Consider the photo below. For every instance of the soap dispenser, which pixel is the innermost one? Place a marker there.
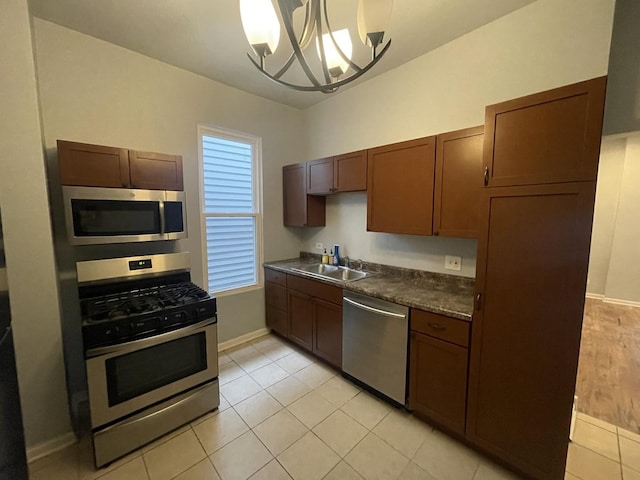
(325, 257)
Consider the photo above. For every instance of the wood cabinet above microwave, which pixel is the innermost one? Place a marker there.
(342, 173)
(101, 166)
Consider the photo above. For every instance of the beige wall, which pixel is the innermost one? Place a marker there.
(623, 278)
(610, 169)
(27, 234)
(546, 44)
(96, 92)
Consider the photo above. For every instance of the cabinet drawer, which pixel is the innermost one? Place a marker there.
(275, 276)
(315, 288)
(439, 326)
(275, 295)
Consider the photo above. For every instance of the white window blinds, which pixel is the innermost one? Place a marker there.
(230, 209)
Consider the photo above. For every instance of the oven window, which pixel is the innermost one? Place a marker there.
(115, 217)
(142, 371)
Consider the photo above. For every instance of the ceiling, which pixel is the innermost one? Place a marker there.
(206, 36)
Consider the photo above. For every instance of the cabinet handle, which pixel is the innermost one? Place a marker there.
(435, 233)
(486, 176)
(478, 301)
(436, 326)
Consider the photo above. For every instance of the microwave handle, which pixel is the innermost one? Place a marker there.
(163, 227)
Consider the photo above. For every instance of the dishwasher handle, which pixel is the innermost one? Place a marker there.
(373, 309)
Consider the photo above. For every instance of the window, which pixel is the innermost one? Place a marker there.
(230, 169)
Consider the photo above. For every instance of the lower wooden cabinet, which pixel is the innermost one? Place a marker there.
(327, 342)
(307, 312)
(438, 360)
(301, 313)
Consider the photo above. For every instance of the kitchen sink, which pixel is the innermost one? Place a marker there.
(333, 272)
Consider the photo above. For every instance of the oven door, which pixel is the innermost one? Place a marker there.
(130, 376)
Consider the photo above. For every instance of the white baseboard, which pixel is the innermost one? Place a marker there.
(618, 301)
(247, 337)
(595, 296)
(50, 446)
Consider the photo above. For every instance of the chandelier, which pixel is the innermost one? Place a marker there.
(328, 64)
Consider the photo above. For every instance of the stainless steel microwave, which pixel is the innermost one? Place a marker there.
(97, 215)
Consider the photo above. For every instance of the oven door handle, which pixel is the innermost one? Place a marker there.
(150, 341)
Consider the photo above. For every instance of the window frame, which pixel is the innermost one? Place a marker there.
(257, 214)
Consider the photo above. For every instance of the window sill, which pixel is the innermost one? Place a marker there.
(236, 291)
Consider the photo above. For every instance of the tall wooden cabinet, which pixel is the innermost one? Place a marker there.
(400, 187)
(300, 209)
(533, 253)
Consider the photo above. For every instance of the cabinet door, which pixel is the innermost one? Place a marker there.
(277, 320)
(301, 311)
(320, 176)
(300, 209)
(548, 137)
(155, 171)
(400, 187)
(93, 165)
(438, 380)
(458, 183)
(350, 172)
(327, 339)
(533, 255)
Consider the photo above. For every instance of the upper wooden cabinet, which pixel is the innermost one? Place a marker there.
(100, 166)
(300, 209)
(342, 173)
(400, 181)
(155, 171)
(93, 165)
(458, 183)
(548, 137)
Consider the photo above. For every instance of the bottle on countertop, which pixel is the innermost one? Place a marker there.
(331, 258)
(336, 254)
(325, 257)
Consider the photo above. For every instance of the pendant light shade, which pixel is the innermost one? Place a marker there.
(261, 25)
(336, 64)
(373, 20)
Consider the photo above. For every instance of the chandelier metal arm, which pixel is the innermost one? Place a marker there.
(305, 37)
(322, 88)
(320, 39)
(287, 19)
(353, 65)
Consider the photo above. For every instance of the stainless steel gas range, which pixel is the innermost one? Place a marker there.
(150, 345)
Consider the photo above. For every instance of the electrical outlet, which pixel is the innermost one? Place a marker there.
(453, 263)
(319, 245)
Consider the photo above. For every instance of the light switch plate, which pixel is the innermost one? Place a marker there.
(319, 245)
(452, 263)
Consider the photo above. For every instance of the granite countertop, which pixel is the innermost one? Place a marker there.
(433, 292)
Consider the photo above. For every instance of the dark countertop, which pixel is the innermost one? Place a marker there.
(433, 292)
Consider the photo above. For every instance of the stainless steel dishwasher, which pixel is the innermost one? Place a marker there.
(374, 344)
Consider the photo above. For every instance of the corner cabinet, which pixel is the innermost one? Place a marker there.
(458, 183)
(533, 256)
(299, 208)
(342, 173)
(400, 181)
(275, 293)
(438, 358)
(102, 166)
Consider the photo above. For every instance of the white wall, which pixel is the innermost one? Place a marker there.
(615, 256)
(96, 92)
(27, 235)
(623, 279)
(610, 169)
(546, 44)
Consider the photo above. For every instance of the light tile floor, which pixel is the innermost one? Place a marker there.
(284, 415)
